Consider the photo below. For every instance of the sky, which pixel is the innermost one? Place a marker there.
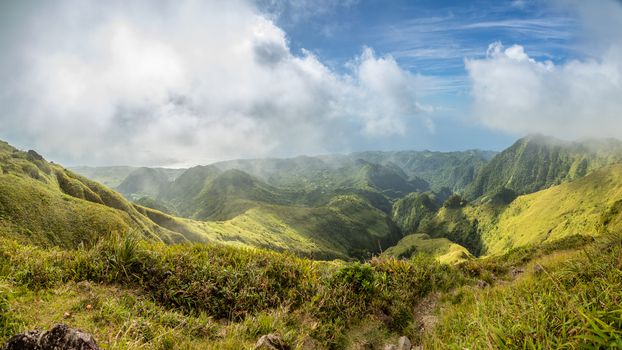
(186, 82)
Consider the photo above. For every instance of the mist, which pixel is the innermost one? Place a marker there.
(186, 82)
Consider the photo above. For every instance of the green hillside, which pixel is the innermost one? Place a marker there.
(111, 176)
(590, 205)
(444, 250)
(44, 203)
(452, 170)
(414, 210)
(147, 182)
(347, 227)
(68, 244)
(537, 162)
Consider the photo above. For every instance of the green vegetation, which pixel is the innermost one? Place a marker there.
(534, 262)
(43, 203)
(452, 170)
(130, 294)
(422, 169)
(147, 182)
(537, 162)
(588, 206)
(569, 299)
(444, 250)
(414, 210)
(111, 176)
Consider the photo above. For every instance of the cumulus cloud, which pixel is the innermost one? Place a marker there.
(579, 98)
(185, 82)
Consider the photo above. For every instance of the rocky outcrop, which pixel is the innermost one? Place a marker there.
(402, 344)
(59, 337)
(271, 342)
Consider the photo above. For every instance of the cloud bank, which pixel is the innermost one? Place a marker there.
(185, 82)
(580, 98)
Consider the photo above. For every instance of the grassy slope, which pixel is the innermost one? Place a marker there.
(444, 250)
(414, 210)
(111, 176)
(453, 170)
(148, 295)
(212, 297)
(565, 299)
(347, 227)
(147, 182)
(590, 205)
(537, 162)
(44, 203)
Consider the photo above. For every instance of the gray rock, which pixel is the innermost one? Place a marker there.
(404, 343)
(59, 337)
(482, 284)
(390, 347)
(515, 271)
(271, 342)
(537, 269)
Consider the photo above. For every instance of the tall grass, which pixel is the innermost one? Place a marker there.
(233, 284)
(569, 301)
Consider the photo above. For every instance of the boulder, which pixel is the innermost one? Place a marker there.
(404, 343)
(59, 337)
(482, 284)
(271, 342)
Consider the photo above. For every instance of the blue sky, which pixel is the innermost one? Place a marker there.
(178, 83)
(433, 38)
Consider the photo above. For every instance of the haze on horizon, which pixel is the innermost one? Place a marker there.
(177, 83)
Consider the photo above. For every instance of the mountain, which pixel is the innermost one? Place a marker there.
(442, 249)
(536, 162)
(240, 207)
(94, 253)
(147, 182)
(452, 170)
(361, 203)
(111, 176)
(227, 195)
(413, 210)
(590, 205)
(44, 203)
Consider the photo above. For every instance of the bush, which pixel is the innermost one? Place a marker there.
(234, 284)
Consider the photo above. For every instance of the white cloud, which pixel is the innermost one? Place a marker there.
(188, 82)
(576, 99)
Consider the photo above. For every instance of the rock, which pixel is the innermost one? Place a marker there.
(271, 342)
(404, 343)
(34, 155)
(537, 268)
(67, 314)
(515, 271)
(24, 341)
(59, 337)
(482, 284)
(390, 347)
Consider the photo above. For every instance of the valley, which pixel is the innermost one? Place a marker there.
(234, 250)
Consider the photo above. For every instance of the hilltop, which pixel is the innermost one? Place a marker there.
(216, 256)
(537, 162)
